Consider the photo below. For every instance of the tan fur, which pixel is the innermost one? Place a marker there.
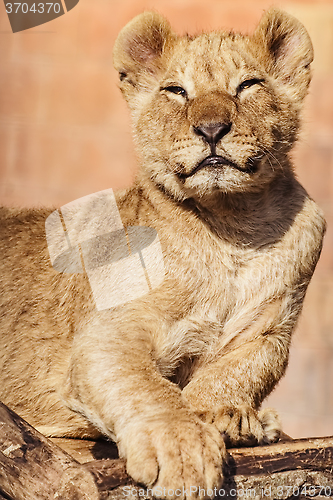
(167, 375)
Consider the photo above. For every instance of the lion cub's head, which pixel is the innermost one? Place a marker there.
(218, 111)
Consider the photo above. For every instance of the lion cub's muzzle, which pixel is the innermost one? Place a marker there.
(212, 117)
(213, 133)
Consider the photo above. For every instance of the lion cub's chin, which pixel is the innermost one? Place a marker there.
(209, 182)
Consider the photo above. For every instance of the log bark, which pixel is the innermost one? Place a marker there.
(33, 467)
(310, 454)
(293, 469)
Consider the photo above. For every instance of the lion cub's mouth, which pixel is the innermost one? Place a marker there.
(216, 161)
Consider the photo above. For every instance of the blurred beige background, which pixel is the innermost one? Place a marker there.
(65, 132)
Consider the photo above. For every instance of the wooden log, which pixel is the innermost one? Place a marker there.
(86, 451)
(309, 454)
(33, 468)
(301, 468)
(284, 470)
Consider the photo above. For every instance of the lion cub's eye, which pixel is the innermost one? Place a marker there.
(174, 89)
(249, 83)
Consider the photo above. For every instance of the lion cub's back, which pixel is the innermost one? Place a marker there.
(23, 254)
(34, 298)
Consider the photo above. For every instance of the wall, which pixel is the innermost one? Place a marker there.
(65, 132)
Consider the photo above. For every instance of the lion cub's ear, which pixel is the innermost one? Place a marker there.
(285, 48)
(141, 50)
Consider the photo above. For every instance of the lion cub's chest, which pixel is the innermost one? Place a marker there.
(216, 283)
(214, 272)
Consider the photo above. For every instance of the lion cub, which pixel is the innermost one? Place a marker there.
(176, 374)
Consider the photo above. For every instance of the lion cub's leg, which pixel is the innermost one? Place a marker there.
(229, 391)
(115, 383)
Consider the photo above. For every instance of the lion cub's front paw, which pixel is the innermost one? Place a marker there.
(243, 426)
(175, 457)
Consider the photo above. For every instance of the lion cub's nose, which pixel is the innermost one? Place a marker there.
(213, 132)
